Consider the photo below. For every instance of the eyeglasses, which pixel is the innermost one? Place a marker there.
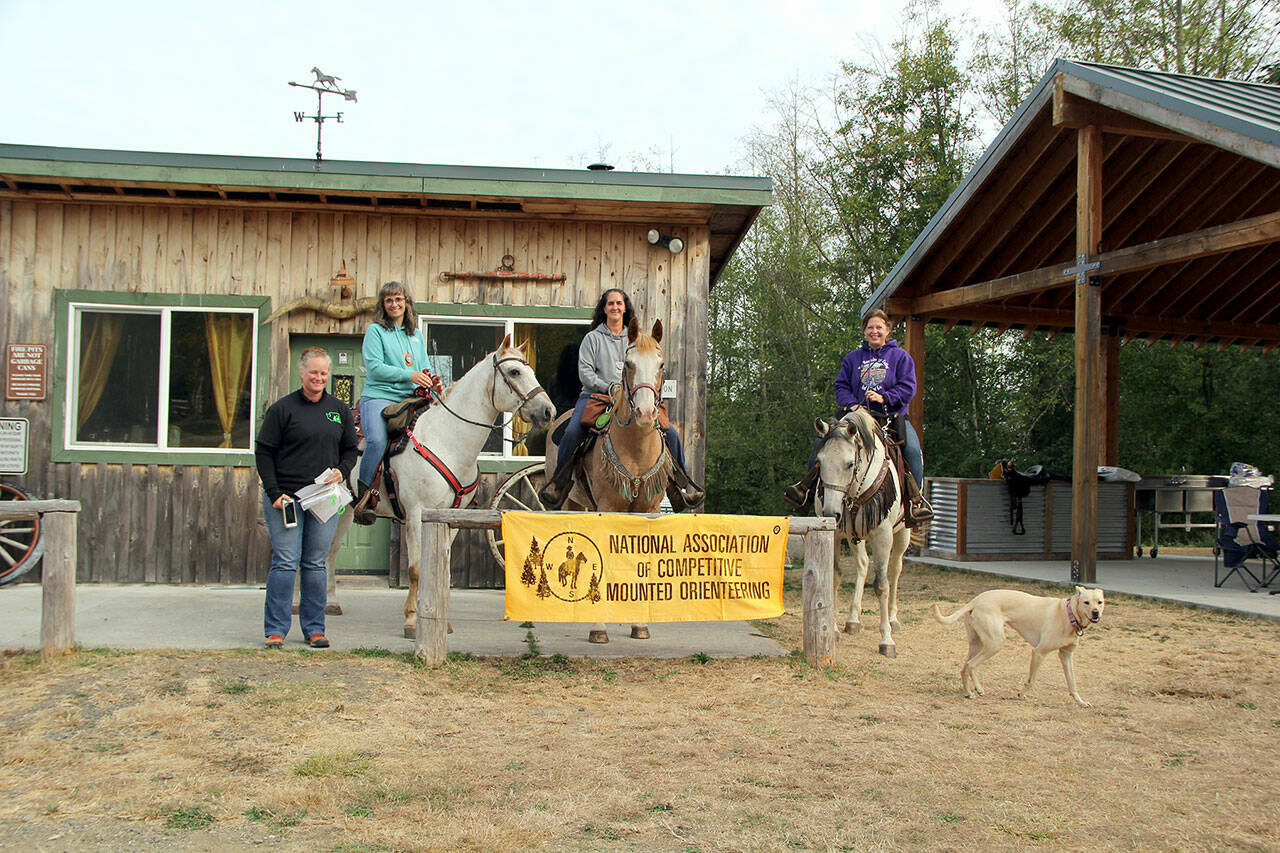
(393, 299)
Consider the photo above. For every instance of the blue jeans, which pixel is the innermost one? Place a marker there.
(375, 435)
(912, 454)
(574, 431)
(295, 549)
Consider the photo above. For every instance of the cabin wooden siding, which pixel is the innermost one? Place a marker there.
(153, 521)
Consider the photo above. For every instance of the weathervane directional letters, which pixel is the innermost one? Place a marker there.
(325, 84)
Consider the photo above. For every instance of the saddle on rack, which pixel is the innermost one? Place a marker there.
(1019, 484)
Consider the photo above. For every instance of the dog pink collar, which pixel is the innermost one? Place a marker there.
(1071, 617)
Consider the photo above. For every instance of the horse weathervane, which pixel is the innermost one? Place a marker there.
(325, 84)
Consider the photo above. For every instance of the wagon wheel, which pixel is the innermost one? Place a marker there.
(518, 493)
(20, 545)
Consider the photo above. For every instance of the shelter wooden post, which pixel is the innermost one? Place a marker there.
(913, 343)
(432, 628)
(818, 594)
(1088, 325)
(58, 582)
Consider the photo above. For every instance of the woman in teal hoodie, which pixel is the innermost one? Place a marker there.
(395, 364)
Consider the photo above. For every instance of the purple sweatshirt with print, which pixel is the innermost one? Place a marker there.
(888, 370)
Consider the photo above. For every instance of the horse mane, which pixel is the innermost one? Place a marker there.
(865, 427)
(877, 506)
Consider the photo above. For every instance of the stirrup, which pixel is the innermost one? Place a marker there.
(920, 512)
(797, 496)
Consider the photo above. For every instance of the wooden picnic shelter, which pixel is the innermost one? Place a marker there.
(1117, 204)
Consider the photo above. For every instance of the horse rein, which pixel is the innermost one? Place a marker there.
(493, 391)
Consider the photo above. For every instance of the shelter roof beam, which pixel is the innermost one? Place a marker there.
(1070, 110)
(1184, 247)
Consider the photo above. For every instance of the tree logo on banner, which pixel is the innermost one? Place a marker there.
(569, 567)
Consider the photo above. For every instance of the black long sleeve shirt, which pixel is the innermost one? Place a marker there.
(299, 439)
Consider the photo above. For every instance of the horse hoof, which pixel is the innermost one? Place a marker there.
(333, 608)
(598, 637)
(852, 627)
(639, 632)
(889, 650)
(410, 632)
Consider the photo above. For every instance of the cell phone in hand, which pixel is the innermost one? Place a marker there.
(290, 510)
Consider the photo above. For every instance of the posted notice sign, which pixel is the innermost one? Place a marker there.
(24, 371)
(13, 445)
(623, 568)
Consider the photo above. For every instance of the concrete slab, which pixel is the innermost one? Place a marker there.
(129, 616)
(1181, 578)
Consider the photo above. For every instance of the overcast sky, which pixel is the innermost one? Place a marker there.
(553, 84)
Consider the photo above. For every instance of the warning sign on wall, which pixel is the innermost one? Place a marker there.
(13, 445)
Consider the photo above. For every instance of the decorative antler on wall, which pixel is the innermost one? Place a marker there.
(336, 310)
(345, 286)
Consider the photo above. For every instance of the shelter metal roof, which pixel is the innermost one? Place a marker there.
(1190, 245)
(727, 204)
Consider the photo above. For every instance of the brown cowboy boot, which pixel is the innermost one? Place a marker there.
(690, 492)
(362, 512)
(919, 510)
(800, 494)
(554, 493)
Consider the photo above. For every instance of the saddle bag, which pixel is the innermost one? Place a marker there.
(599, 411)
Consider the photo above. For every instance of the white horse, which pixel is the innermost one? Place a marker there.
(862, 491)
(453, 430)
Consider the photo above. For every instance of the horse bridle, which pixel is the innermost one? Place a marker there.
(493, 395)
(630, 390)
(850, 503)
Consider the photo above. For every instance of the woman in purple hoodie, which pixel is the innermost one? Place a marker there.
(881, 377)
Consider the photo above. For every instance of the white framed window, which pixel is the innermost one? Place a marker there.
(175, 379)
(455, 344)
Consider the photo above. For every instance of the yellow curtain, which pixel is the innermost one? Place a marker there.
(99, 339)
(519, 426)
(230, 338)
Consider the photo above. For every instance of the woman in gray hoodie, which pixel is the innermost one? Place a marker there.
(601, 358)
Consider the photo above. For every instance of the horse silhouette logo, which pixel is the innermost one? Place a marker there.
(555, 568)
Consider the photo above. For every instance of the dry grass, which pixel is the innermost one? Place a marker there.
(302, 750)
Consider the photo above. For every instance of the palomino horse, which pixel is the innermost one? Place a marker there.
(861, 490)
(453, 431)
(630, 466)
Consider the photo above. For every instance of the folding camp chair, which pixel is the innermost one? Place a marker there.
(1241, 540)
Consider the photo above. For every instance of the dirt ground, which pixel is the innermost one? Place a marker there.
(302, 750)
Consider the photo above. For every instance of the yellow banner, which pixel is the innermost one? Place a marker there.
(623, 568)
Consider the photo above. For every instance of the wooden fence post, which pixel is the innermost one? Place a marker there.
(432, 634)
(58, 582)
(817, 591)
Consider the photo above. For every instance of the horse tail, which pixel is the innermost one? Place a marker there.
(954, 617)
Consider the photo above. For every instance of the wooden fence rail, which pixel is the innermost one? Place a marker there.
(58, 575)
(817, 581)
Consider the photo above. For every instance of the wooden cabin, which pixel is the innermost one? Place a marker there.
(159, 298)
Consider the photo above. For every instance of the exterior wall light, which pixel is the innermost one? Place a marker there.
(657, 238)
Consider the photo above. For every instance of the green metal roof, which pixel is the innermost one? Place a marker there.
(70, 164)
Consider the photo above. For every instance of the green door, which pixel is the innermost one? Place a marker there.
(366, 550)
